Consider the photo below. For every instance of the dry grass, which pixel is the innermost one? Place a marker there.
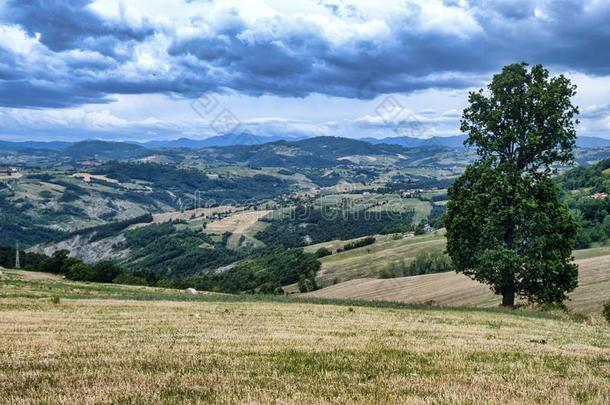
(238, 224)
(370, 260)
(29, 275)
(88, 177)
(457, 289)
(126, 351)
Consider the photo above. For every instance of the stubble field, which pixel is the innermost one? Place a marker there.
(107, 344)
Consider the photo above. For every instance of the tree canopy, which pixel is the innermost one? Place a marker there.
(505, 224)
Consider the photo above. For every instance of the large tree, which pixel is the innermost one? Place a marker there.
(505, 224)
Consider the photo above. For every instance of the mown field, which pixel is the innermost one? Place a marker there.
(354, 274)
(119, 344)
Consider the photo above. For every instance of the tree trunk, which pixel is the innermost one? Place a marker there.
(508, 298)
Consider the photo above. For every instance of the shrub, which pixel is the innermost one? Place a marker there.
(369, 240)
(394, 269)
(268, 288)
(306, 285)
(129, 279)
(428, 263)
(79, 271)
(55, 300)
(322, 252)
(105, 272)
(606, 311)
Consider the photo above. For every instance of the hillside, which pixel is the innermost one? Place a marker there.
(312, 153)
(456, 289)
(104, 150)
(106, 343)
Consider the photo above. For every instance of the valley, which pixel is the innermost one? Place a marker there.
(211, 217)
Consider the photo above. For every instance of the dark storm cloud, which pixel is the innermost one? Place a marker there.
(70, 24)
(24, 94)
(295, 56)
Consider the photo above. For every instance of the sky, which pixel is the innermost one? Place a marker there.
(164, 69)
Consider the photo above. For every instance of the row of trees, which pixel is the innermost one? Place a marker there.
(71, 267)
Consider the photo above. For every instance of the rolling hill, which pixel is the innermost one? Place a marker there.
(456, 289)
(104, 150)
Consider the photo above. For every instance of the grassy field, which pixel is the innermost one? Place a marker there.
(371, 260)
(118, 344)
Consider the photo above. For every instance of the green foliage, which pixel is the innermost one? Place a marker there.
(17, 224)
(429, 263)
(79, 271)
(606, 311)
(28, 260)
(46, 194)
(306, 224)
(323, 252)
(527, 120)
(105, 272)
(307, 284)
(579, 185)
(185, 182)
(369, 240)
(110, 229)
(436, 216)
(505, 224)
(129, 279)
(61, 263)
(424, 263)
(420, 229)
(265, 273)
(164, 251)
(511, 233)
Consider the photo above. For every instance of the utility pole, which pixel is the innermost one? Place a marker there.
(17, 263)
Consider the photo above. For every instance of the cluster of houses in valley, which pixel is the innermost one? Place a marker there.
(413, 193)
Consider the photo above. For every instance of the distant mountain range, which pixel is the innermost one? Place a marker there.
(26, 145)
(219, 141)
(458, 141)
(436, 141)
(89, 147)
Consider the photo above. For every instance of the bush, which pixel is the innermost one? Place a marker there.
(606, 311)
(129, 279)
(428, 263)
(306, 285)
(394, 269)
(322, 252)
(105, 272)
(79, 271)
(369, 240)
(268, 288)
